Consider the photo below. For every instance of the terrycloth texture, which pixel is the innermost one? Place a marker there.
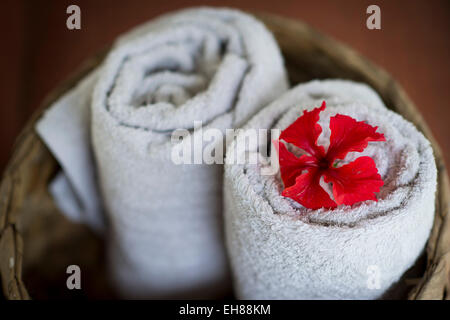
(218, 66)
(281, 250)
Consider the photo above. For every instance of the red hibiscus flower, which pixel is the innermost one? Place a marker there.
(353, 182)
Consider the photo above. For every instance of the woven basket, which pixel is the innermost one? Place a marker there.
(37, 243)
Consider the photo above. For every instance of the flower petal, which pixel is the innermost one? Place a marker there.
(304, 131)
(348, 135)
(290, 165)
(308, 192)
(354, 182)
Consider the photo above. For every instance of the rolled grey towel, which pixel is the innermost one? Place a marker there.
(217, 66)
(282, 250)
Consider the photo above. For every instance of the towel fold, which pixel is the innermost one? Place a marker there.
(217, 66)
(282, 250)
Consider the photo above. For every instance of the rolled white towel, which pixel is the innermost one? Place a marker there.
(282, 250)
(217, 66)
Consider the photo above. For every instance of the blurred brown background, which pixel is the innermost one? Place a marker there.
(38, 51)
